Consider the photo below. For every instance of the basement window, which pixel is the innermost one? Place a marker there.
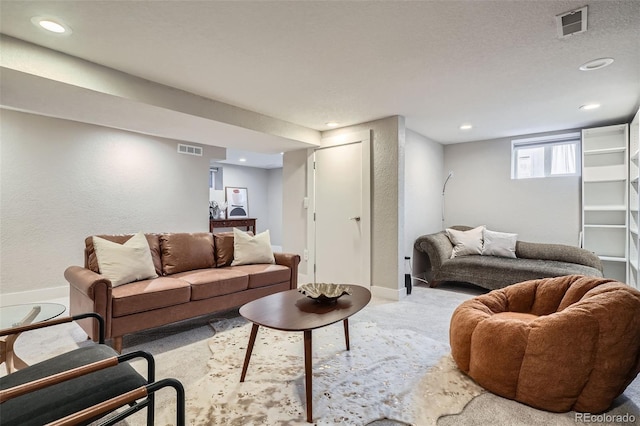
(547, 156)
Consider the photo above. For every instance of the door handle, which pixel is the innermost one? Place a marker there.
(356, 218)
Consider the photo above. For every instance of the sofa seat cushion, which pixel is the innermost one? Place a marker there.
(148, 295)
(497, 272)
(262, 275)
(212, 282)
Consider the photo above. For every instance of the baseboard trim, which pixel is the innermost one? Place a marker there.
(389, 293)
(31, 296)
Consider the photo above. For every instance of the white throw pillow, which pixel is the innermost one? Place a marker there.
(500, 244)
(466, 242)
(124, 263)
(248, 249)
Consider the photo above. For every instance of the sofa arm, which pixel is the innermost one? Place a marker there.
(290, 260)
(437, 246)
(559, 252)
(89, 292)
(85, 280)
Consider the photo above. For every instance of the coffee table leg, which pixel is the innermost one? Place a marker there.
(308, 374)
(247, 357)
(346, 332)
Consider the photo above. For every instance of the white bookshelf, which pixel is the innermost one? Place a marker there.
(634, 202)
(605, 198)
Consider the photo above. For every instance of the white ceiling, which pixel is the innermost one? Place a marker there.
(496, 64)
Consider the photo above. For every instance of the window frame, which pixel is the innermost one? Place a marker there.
(546, 142)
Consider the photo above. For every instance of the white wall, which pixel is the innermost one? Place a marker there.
(62, 181)
(423, 188)
(264, 191)
(483, 193)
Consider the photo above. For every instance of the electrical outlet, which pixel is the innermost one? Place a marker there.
(306, 254)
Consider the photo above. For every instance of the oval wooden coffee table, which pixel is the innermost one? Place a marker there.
(292, 311)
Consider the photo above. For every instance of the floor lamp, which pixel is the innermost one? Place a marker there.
(444, 187)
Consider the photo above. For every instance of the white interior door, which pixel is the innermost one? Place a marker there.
(342, 214)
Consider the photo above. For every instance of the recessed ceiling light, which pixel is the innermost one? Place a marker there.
(466, 127)
(332, 124)
(596, 64)
(242, 160)
(50, 24)
(589, 106)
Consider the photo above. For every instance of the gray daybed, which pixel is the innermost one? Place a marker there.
(533, 261)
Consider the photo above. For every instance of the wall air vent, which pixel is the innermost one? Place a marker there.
(573, 22)
(190, 149)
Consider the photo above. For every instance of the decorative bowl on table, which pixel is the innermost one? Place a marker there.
(323, 292)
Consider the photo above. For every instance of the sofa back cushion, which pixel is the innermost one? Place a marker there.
(186, 252)
(224, 242)
(91, 261)
(559, 252)
(224, 248)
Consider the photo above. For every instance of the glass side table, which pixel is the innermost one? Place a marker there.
(17, 315)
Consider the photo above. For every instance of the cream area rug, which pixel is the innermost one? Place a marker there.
(398, 371)
(386, 374)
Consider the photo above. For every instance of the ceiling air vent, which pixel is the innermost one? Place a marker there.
(190, 149)
(573, 22)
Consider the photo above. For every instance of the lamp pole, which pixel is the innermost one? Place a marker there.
(444, 187)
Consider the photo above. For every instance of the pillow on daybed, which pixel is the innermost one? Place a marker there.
(466, 242)
(249, 249)
(124, 263)
(500, 244)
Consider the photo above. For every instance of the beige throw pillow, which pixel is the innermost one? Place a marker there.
(500, 244)
(124, 263)
(466, 242)
(249, 249)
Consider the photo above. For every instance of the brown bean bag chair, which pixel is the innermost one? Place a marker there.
(557, 344)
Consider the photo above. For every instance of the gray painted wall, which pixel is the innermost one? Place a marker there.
(294, 215)
(423, 175)
(264, 190)
(483, 193)
(274, 205)
(62, 181)
(387, 209)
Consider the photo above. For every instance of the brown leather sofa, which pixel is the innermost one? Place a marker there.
(194, 278)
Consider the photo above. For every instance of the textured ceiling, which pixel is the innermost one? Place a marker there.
(496, 64)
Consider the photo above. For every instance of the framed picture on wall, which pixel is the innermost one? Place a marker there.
(237, 202)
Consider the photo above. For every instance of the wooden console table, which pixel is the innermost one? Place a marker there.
(249, 223)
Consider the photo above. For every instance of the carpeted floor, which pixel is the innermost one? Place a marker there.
(398, 349)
